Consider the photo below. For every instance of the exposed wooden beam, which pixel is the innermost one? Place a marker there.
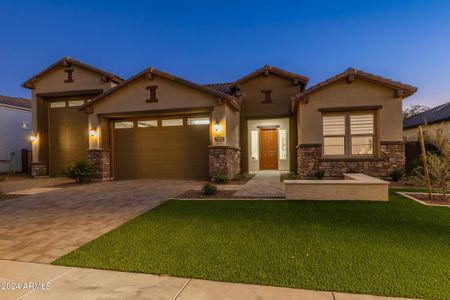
(350, 78)
(398, 93)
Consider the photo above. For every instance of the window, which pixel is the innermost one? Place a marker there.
(282, 143)
(362, 133)
(172, 122)
(254, 144)
(123, 124)
(57, 104)
(25, 125)
(348, 134)
(334, 135)
(147, 123)
(198, 121)
(73, 103)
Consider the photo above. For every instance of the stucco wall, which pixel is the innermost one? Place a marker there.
(357, 93)
(13, 138)
(53, 82)
(171, 96)
(282, 90)
(411, 134)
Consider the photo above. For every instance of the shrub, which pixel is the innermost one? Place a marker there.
(80, 171)
(209, 190)
(396, 175)
(320, 174)
(222, 178)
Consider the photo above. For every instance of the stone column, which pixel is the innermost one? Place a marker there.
(100, 161)
(39, 169)
(224, 160)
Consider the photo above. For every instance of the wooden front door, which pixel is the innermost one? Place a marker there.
(268, 149)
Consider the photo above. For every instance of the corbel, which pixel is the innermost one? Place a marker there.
(398, 93)
(350, 78)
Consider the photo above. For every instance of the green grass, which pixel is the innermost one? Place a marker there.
(398, 248)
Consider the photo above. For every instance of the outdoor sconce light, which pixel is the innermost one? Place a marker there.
(217, 127)
(93, 133)
(33, 137)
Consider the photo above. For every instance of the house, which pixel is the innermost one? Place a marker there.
(15, 132)
(437, 120)
(157, 125)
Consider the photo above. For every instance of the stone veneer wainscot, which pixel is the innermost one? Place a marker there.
(310, 160)
(100, 161)
(224, 160)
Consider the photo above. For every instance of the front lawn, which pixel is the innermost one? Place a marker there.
(398, 248)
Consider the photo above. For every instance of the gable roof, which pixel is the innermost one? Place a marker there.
(435, 115)
(16, 102)
(408, 89)
(152, 71)
(70, 61)
(303, 80)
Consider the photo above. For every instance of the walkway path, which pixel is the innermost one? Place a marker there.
(77, 283)
(265, 184)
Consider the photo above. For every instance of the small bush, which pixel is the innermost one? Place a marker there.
(209, 190)
(80, 171)
(396, 175)
(320, 174)
(222, 178)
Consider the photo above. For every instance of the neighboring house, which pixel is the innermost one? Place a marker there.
(15, 132)
(156, 125)
(437, 120)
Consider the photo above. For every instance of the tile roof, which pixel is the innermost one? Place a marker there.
(434, 115)
(303, 80)
(152, 71)
(69, 60)
(221, 87)
(409, 89)
(15, 101)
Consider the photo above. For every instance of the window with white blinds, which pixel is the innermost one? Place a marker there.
(348, 134)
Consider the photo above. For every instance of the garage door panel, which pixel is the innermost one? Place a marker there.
(161, 152)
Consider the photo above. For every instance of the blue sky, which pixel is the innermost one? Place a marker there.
(211, 41)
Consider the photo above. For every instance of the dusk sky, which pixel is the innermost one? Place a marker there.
(209, 41)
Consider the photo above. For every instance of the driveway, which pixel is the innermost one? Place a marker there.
(44, 226)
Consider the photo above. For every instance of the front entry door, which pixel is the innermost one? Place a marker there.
(268, 149)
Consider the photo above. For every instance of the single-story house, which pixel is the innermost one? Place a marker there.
(157, 125)
(15, 130)
(437, 120)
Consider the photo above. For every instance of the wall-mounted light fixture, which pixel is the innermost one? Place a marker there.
(217, 127)
(33, 137)
(93, 132)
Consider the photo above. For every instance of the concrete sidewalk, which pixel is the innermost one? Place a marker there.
(77, 283)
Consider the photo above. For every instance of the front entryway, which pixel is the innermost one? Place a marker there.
(268, 149)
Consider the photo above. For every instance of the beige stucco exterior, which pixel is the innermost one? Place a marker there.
(283, 89)
(359, 93)
(53, 82)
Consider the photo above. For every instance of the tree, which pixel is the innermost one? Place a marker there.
(413, 110)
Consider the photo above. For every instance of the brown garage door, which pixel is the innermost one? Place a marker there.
(170, 147)
(69, 136)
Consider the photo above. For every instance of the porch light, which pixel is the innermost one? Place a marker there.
(93, 133)
(217, 127)
(33, 137)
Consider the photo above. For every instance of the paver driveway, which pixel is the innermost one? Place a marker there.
(42, 227)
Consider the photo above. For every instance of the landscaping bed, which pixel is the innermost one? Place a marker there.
(436, 199)
(239, 180)
(396, 248)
